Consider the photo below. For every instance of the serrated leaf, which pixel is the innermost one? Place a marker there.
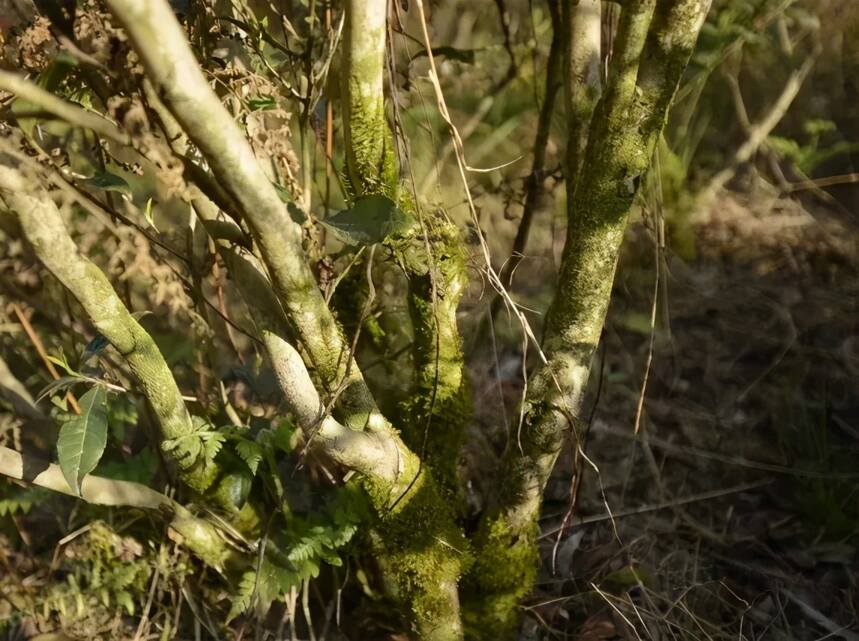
(251, 453)
(260, 587)
(371, 220)
(244, 595)
(83, 438)
(107, 181)
(204, 442)
(212, 444)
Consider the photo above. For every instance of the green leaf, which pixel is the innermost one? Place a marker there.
(107, 181)
(261, 103)
(203, 443)
(260, 588)
(371, 220)
(286, 197)
(283, 436)
(83, 438)
(21, 500)
(251, 453)
(139, 468)
(62, 361)
(58, 385)
(147, 214)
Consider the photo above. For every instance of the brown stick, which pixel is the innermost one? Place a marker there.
(43, 354)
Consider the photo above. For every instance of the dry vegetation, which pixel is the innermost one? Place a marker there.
(714, 495)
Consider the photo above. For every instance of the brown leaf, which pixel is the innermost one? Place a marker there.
(597, 628)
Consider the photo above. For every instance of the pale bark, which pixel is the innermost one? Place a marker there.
(176, 76)
(582, 33)
(362, 451)
(44, 229)
(199, 535)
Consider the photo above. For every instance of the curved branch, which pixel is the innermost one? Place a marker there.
(356, 450)
(44, 229)
(199, 535)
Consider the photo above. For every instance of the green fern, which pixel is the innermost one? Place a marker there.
(250, 452)
(200, 445)
(21, 501)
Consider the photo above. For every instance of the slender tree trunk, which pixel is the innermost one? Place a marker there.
(653, 45)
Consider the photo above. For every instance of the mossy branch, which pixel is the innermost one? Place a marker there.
(433, 259)
(421, 571)
(198, 535)
(371, 165)
(43, 227)
(171, 67)
(437, 412)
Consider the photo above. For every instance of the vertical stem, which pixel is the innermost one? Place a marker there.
(370, 162)
(534, 182)
(653, 47)
(582, 30)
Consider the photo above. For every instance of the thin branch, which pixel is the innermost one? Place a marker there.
(43, 354)
(173, 70)
(534, 182)
(200, 536)
(758, 132)
(58, 107)
(44, 229)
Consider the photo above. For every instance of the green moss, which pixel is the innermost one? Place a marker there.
(437, 413)
(420, 550)
(371, 163)
(502, 575)
(202, 539)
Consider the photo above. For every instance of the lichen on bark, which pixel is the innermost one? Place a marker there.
(653, 45)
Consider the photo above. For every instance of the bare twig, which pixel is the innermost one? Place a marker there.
(43, 354)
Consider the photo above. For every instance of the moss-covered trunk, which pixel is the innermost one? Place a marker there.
(652, 47)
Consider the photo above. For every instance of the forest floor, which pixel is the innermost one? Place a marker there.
(733, 513)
